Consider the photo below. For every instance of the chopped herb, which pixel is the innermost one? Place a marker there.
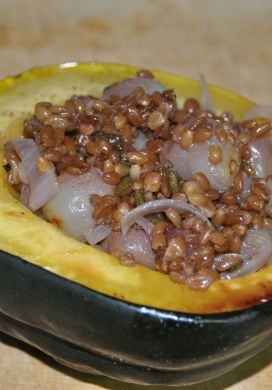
(136, 226)
(114, 140)
(234, 268)
(154, 218)
(172, 178)
(124, 187)
(139, 197)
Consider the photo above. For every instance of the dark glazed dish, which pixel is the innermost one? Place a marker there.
(55, 294)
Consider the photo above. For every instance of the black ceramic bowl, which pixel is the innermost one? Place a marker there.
(96, 333)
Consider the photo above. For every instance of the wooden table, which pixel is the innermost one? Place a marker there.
(230, 42)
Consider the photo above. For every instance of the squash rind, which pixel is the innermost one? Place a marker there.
(95, 333)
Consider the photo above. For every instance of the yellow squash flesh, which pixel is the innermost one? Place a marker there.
(24, 234)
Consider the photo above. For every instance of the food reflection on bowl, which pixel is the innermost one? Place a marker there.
(133, 323)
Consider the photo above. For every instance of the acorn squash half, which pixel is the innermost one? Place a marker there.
(82, 306)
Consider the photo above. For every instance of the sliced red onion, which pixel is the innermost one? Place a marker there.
(268, 208)
(71, 209)
(103, 246)
(43, 186)
(23, 173)
(140, 141)
(126, 87)
(28, 152)
(220, 175)
(174, 232)
(136, 243)
(261, 156)
(25, 192)
(98, 233)
(172, 152)
(196, 160)
(42, 190)
(89, 102)
(145, 225)
(247, 181)
(256, 251)
(259, 111)
(157, 206)
(206, 101)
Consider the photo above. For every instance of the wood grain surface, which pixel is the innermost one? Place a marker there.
(228, 41)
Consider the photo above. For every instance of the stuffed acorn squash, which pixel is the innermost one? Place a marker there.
(26, 235)
(81, 305)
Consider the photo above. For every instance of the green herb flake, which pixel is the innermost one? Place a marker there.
(172, 179)
(123, 187)
(136, 226)
(154, 218)
(139, 197)
(114, 141)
